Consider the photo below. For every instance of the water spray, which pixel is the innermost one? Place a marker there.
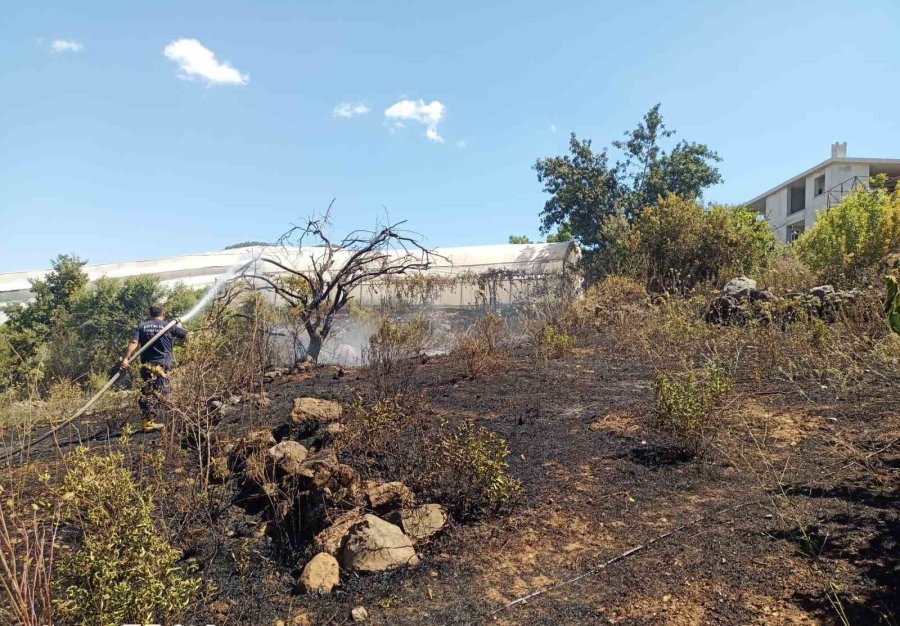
(211, 293)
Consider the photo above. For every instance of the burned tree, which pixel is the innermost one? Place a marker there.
(324, 280)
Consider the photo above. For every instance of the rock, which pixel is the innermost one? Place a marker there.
(321, 574)
(388, 495)
(253, 442)
(220, 609)
(763, 295)
(822, 291)
(374, 545)
(739, 287)
(257, 439)
(334, 429)
(260, 399)
(359, 614)
(301, 619)
(287, 457)
(421, 522)
(320, 466)
(331, 539)
(314, 410)
(305, 364)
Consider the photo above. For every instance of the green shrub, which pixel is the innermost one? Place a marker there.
(552, 343)
(469, 472)
(122, 570)
(892, 302)
(852, 240)
(684, 244)
(686, 405)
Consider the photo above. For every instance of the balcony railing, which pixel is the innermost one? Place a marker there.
(839, 192)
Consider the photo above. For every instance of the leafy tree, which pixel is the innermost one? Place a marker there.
(586, 190)
(852, 240)
(519, 239)
(246, 244)
(53, 297)
(73, 328)
(30, 327)
(563, 233)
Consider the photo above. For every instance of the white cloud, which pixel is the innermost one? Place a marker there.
(461, 143)
(194, 60)
(345, 109)
(418, 111)
(66, 45)
(553, 128)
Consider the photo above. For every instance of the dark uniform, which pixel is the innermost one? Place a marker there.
(156, 361)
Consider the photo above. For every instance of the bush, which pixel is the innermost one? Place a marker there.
(552, 343)
(483, 343)
(683, 244)
(851, 241)
(74, 328)
(392, 348)
(469, 472)
(122, 569)
(463, 466)
(686, 404)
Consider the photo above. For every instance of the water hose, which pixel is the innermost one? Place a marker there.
(112, 380)
(231, 273)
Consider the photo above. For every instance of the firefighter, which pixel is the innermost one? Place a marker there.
(156, 362)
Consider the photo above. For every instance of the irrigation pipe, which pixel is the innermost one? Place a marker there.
(618, 557)
(93, 399)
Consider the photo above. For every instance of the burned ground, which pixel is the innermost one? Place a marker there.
(792, 507)
(598, 482)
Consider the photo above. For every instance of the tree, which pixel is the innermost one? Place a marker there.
(584, 190)
(30, 327)
(519, 239)
(587, 191)
(563, 233)
(336, 270)
(246, 244)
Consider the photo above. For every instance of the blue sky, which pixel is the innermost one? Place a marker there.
(112, 149)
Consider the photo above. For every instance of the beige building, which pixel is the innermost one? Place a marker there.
(793, 206)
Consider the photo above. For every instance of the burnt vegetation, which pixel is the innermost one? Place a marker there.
(662, 444)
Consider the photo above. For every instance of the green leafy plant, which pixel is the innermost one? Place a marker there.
(852, 240)
(122, 569)
(469, 471)
(552, 343)
(683, 244)
(686, 406)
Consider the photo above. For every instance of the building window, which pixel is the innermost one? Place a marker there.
(819, 185)
(796, 198)
(794, 231)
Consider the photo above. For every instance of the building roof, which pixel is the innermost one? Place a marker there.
(821, 166)
(202, 269)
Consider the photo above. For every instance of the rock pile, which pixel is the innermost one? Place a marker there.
(741, 303)
(292, 477)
